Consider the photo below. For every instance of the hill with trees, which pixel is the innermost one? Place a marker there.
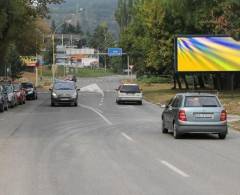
(89, 13)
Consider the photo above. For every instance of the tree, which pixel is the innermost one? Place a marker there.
(19, 31)
(102, 39)
(148, 29)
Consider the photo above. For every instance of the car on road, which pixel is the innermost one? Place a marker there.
(3, 100)
(30, 90)
(11, 95)
(129, 93)
(195, 113)
(64, 92)
(20, 93)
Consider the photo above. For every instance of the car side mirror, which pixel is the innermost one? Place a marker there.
(78, 89)
(50, 89)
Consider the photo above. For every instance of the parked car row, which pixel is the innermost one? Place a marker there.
(13, 94)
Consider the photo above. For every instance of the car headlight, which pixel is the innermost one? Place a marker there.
(74, 95)
(54, 94)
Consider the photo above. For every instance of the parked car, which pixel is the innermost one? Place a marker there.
(11, 95)
(64, 92)
(195, 113)
(3, 100)
(129, 93)
(20, 92)
(30, 90)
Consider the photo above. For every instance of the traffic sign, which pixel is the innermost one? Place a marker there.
(115, 52)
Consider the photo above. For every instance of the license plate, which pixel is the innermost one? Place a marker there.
(64, 99)
(201, 115)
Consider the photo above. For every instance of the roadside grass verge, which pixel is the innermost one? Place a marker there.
(79, 72)
(161, 93)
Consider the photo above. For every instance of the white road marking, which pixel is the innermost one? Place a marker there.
(127, 137)
(125, 107)
(99, 110)
(98, 113)
(2, 119)
(173, 168)
(94, 88)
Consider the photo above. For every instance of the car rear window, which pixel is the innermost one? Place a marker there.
(130, 89)
(201, 101)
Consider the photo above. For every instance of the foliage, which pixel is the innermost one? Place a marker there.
(102, 39)
(148, 27)
(21, 26)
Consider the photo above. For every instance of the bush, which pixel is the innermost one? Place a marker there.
(155, 79)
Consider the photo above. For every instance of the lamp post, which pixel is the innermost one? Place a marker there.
(53, 45)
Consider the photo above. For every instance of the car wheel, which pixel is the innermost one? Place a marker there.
(76, 104)
(164, 129)
(140, 103)
(52, 104)
(176, 134)
(2, 108)
(222, 135)
(6, 107)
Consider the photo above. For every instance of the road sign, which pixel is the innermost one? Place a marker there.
(131, 66)
(115, 52)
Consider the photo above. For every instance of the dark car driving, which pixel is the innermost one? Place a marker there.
(3, 100)
(64, 92)
(30, 90)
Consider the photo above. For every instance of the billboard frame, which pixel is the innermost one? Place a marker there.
(194, 36)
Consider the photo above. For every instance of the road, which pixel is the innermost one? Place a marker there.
(100, 148)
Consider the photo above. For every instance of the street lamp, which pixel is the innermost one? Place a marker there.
(53, 44)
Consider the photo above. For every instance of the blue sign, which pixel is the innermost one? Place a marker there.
(115, 52)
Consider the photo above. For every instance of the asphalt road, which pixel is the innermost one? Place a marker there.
(101, 148)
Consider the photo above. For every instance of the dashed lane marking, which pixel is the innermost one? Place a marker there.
(174, 169)
(128, 137)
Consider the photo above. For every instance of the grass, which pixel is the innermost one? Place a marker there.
(161, 93)
(79, 72)
(235, 125)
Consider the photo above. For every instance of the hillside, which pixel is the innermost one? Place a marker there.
(92, 13)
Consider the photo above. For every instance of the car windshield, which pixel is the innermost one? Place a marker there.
(27, 85)
(201, 101)
(8, 88)
(64, 86)
(16, 87)
(130, 89)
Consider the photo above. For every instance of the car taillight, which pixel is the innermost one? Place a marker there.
(182, 115)
(223, 116)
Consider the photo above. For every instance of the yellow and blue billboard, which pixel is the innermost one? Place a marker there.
(208, 54)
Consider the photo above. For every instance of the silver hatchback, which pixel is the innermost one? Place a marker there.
(195, 113)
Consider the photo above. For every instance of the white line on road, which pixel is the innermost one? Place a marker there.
(1, 119)
(127, 137)
(173, 168)
(98, 113)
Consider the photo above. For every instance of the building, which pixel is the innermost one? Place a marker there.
(74, 57)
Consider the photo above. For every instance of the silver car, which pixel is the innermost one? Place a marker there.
(195, 113)
(129, 93)
(64, 92)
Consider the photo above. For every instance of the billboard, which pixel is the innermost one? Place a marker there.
(29, 61)
(207, 54)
